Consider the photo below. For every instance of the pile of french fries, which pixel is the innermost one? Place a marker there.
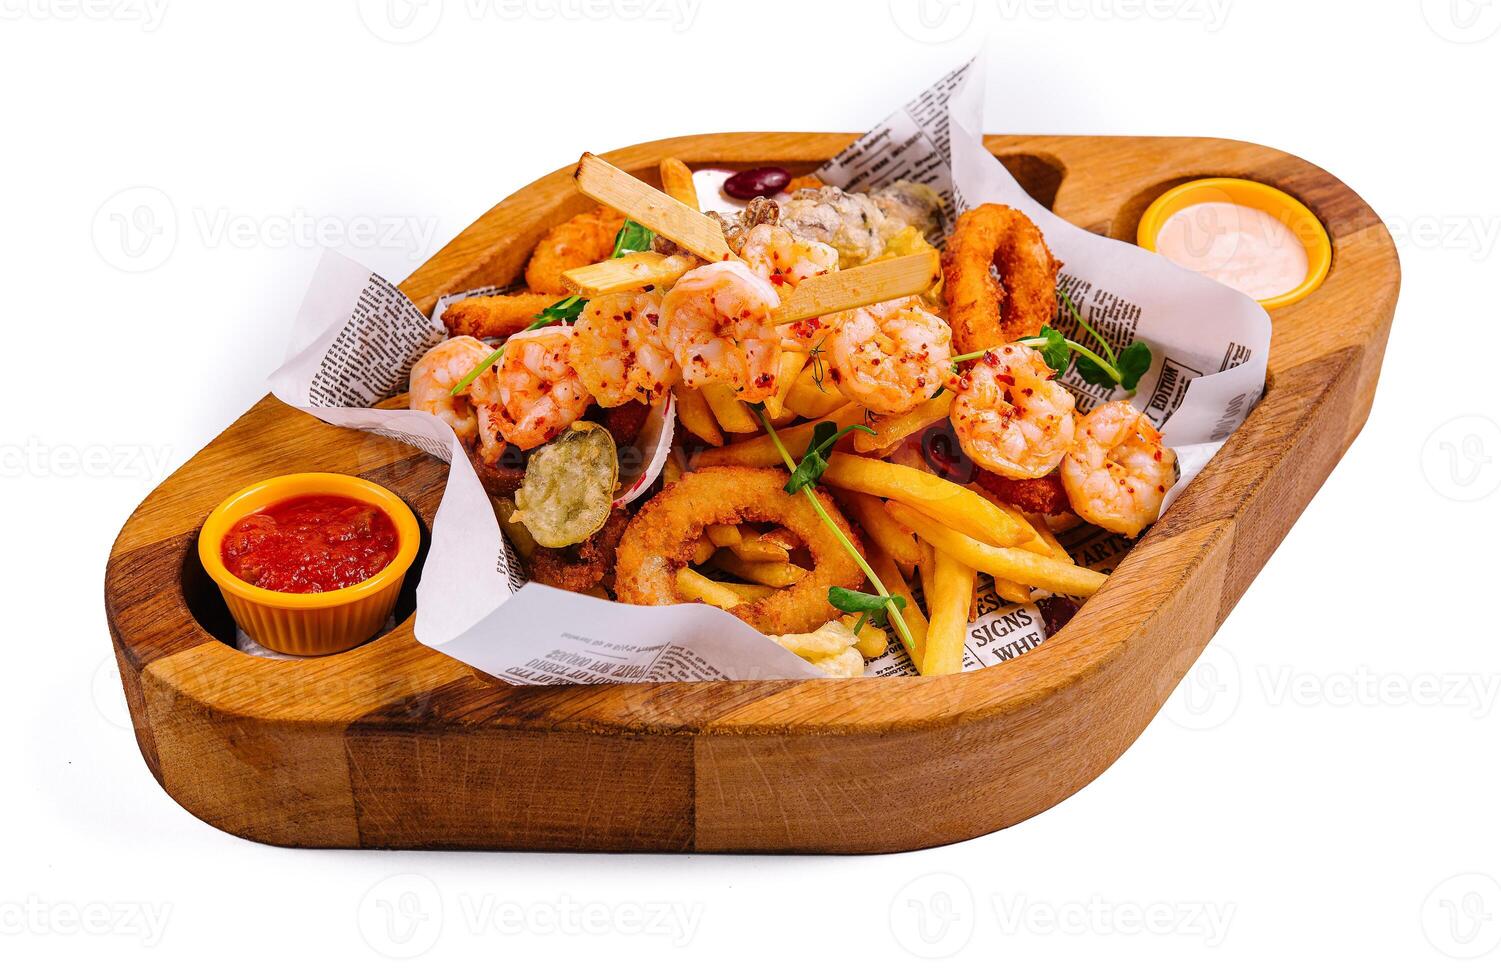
(919, 528)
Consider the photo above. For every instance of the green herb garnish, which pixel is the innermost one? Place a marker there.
(1105, 369)
(893, 608)
(810, 470)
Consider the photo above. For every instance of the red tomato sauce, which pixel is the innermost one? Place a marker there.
(315, 543)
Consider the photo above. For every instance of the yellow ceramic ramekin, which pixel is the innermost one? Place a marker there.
(325, 622)
(1248, 193)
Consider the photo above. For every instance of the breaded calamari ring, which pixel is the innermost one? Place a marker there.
(495, 316)
(661, 538)
(583, 239)
(982, 312)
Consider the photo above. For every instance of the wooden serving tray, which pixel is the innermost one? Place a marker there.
(395, 745)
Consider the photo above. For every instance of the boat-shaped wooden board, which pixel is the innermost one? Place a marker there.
(395, 745)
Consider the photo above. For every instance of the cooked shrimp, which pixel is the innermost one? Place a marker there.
(618, 349)
(1118, 470)
(890, 356)
(434, 377)
(718, 325)
(1011, 417)
(774, 254)
(531, 394)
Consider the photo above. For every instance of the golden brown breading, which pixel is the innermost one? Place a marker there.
(583, 239)
(495, 316)
(662, 536)
(982, 312)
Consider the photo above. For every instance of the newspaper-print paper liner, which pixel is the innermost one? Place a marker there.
(357, 336)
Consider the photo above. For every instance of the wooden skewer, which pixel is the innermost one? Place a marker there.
(644, 204)
(860, 286)
(629, 272)
(700, 234)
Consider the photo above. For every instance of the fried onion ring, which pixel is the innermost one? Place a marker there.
(583, 239)
(495, 316)
(985, 313)
(661, 538)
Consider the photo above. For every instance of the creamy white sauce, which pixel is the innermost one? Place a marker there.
(1242, 247)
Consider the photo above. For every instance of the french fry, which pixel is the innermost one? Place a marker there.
(723, 535)
(763, 452)
(677, 181)
(829, 640)
(1012, 591)
(958, 507)
(925, 571)
(730, 412)
(1046, 533)
(788, 368)
(892, 429)
(1015, 564)
(694, 413)
(953, 589)
(810, 398)
(672, 468)
(879, 526)
(521, 539)
(748, 591)
(782, 538)
(917, 623)
(746, 548)
(1034, 541)
(700, 588)
(871, 641)
(777, 574)
(907, 454)
(703, 551)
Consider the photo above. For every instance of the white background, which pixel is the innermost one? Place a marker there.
(1304, 802)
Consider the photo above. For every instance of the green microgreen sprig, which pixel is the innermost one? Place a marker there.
(1106, 368)
(825, 435)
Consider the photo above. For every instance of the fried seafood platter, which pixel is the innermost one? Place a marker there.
(396, 745)
(870, 417)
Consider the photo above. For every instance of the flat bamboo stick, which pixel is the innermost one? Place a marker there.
(677, 222)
